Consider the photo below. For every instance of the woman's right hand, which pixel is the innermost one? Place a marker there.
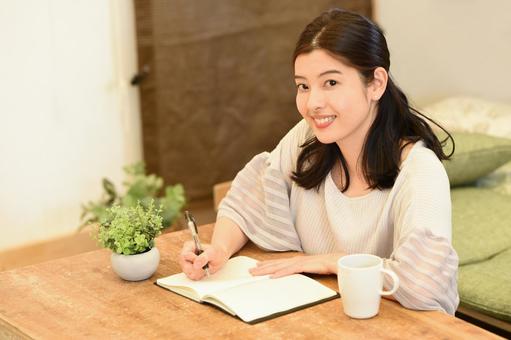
(191, 264)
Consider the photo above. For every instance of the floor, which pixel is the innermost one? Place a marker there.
(81, 242)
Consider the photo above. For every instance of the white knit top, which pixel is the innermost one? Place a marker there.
(409, 225)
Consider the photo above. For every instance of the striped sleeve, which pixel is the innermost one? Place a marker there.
(258, 200)
(427, 267)
(422, 256)
(258, 203)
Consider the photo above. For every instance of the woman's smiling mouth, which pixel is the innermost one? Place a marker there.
(322, 122)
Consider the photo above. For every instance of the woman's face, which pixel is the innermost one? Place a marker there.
(333, 99)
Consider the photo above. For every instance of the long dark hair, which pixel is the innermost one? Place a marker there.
(360, 43)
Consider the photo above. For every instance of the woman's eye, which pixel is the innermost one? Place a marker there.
(331, 83)
(302, 87)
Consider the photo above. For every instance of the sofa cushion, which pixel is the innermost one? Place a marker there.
(481, 223)
(475, 156)
(485, 286)
(470, 114)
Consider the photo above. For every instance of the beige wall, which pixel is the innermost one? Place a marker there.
(68, 115)
(441, 48)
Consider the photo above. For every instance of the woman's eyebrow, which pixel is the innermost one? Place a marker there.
(329, 71)
(321, 74)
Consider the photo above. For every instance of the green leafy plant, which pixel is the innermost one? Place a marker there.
(130, 230)
(139, 187)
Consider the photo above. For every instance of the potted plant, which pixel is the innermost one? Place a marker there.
(129, 231)
(139, 188)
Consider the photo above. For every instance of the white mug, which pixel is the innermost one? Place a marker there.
(360, 278)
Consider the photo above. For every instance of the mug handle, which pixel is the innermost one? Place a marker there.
(395, 281)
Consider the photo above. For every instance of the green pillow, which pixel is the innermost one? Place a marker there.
(475, 156)
(481, 223)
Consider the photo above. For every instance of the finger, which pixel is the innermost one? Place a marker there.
(272, 267)
(200, 261)
(269, 269)
(257, 272)
(285, 272)
(187, 268)
(287, 260)
(213, 268)
(188, 272)
(288, 265)
(267, 262)
(188, 247)
(270, 263)
(190, 257)
(183, 262)
(187, 253)
(196, 275)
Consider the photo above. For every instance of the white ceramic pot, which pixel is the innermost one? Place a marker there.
(136, 267)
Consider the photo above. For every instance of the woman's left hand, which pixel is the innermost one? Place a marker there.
(317, 264)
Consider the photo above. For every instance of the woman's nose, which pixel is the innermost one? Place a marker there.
(316, 101)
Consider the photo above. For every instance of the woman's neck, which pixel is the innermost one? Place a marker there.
(352, 153)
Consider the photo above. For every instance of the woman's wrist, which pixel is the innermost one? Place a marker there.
(227, 236)
(333, 262)
(222, 249)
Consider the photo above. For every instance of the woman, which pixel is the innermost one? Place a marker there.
(361, 173)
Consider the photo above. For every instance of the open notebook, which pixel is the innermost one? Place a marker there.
(251, 298)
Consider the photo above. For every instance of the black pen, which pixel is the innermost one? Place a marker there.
(190, 221)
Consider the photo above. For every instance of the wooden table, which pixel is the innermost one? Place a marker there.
(81, 297)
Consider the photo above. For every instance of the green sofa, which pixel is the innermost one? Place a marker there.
(480, 177)
(482, 239)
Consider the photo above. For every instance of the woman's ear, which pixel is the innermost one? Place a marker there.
(378, 84)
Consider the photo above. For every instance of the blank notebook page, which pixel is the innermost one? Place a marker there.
(259, 299)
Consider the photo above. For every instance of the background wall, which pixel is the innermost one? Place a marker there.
(441, 48)
(68, 115)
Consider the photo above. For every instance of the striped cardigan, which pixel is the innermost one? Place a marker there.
(409, 225)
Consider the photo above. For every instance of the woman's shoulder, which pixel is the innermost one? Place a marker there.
(421, 163)
(417, 154)
(300, 132)
(285, 154)
(295, 137)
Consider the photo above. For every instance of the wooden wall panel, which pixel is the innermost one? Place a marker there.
(221, 85)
